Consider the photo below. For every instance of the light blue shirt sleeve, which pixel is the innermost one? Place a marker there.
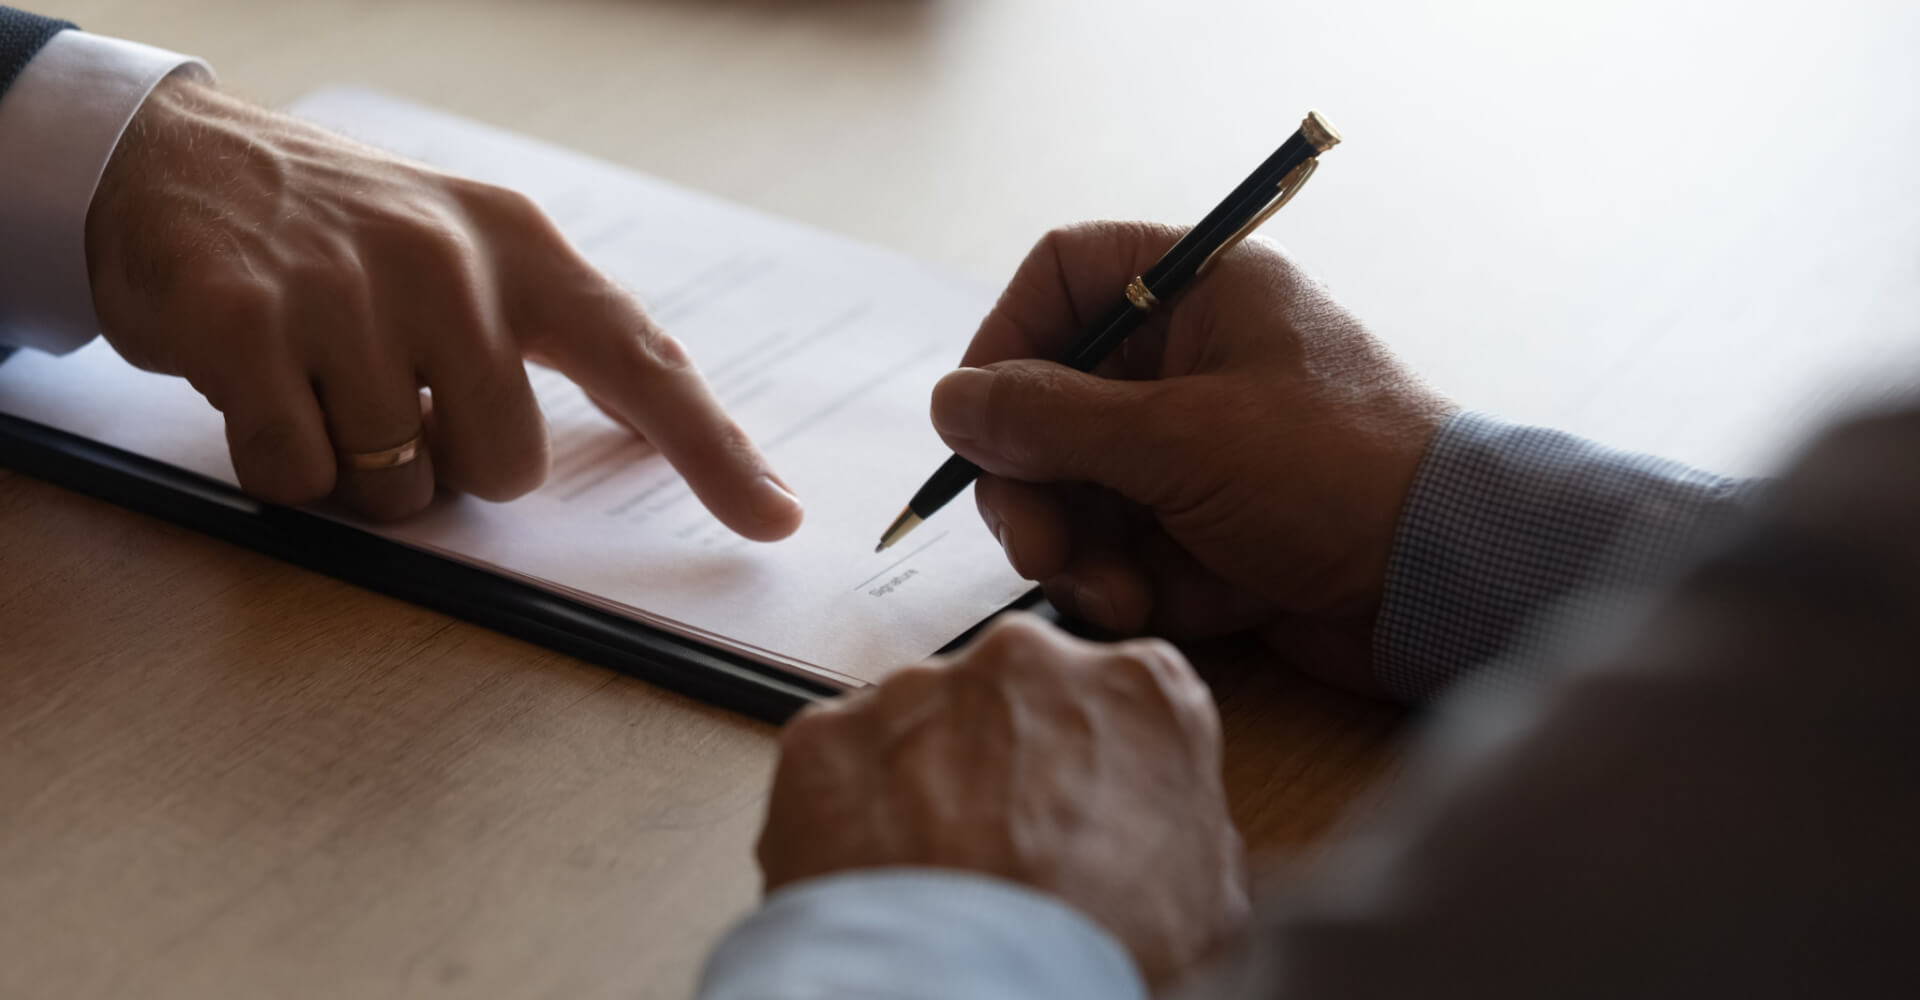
(917, 934)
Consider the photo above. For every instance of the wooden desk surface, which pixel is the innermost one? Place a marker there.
(1677, 226)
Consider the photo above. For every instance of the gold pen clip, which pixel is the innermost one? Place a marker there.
(1289, 186)
(1323, 136)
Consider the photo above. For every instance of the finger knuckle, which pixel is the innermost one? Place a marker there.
(907, 687)
(1156, 670)
(737, 445)
(349, 331)
(1017, 407)
(1076, 236)
(1120, 667)
(321, 263)
(1051, 421)
(491, 374)
(1133, 668)
(1052, 244)
(599, 308)
(1011, 640)
(444, 250)
(1119, 247)
(494, 434)
(524, 208)
(1163, 658)
(226, 369)
(495, 205)
(232, 309)
(811, 728)
(271, 465)
(1015, 630)
(659, 350)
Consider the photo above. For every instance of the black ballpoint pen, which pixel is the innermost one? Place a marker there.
(1240, 213)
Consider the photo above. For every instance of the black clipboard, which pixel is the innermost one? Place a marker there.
(506, 605)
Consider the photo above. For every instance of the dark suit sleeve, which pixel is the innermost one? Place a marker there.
(21, 36)
(1722, 803)
(1717, 799)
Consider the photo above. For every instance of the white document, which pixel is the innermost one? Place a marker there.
(825, 351)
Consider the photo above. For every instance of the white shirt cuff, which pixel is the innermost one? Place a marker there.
(59, 124)
(917, 934)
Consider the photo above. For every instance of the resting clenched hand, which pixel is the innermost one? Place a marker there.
(1240, 463)
(1091, 773)
(310, 288)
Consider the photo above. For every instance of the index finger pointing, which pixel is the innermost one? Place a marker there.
(607, 345)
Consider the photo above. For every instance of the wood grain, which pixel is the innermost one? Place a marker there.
(1677, 226)
(222, 770)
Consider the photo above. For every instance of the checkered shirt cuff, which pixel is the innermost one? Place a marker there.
(1505, 522)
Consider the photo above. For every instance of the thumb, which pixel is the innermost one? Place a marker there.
(1043, 422)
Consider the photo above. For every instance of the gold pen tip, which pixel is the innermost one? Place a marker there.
(907, 521)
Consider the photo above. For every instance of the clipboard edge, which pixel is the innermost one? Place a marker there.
(490, 600)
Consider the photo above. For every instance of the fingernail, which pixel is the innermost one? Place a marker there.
(776, 497)
(1093, 605)
(960, 403)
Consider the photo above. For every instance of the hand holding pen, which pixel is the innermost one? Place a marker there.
(1265, 191)
(1239, 467)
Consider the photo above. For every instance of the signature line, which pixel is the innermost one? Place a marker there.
(890, 568)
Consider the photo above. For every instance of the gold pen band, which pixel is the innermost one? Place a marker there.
(1140, 295)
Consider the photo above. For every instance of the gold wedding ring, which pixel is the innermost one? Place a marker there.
(386, 458)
